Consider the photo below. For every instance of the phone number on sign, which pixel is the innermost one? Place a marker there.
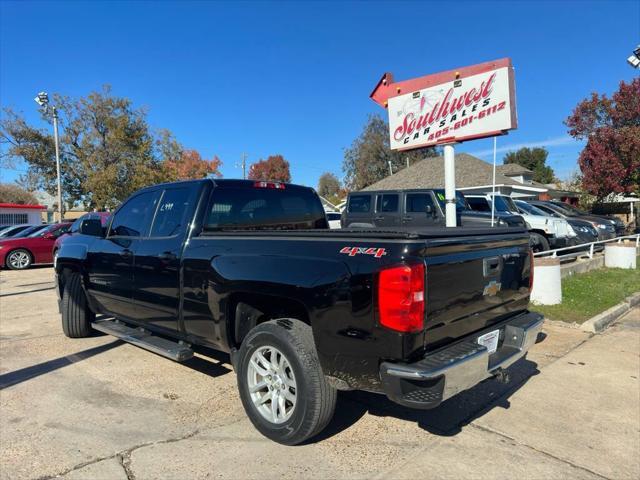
(464, 122)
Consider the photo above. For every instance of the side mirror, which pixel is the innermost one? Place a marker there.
(428, 210)
(91, 226)
(49, 236)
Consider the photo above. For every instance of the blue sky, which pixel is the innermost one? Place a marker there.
(294, 77)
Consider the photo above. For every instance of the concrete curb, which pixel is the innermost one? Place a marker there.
(601, 321)
(633, 300)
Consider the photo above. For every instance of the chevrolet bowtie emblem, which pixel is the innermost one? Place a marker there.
(492, 288)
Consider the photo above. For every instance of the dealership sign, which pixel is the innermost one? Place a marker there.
(461, 104)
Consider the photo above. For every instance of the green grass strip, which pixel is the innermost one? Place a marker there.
(587, 294)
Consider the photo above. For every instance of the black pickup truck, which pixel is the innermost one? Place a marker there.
(251, 268)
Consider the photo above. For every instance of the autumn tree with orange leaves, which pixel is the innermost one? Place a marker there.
(190, 165)
(275, 168)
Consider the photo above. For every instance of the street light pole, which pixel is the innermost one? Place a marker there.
(55, 136)
(42, 99)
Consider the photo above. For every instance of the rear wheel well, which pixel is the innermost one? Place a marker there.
(540, 232)
(63, 276)
(247, 311)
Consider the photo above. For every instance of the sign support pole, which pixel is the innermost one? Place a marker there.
(450, 185)
(493, 187)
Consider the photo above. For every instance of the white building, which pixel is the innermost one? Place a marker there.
(15, 214)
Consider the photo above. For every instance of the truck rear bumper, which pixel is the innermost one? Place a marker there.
(449, 371)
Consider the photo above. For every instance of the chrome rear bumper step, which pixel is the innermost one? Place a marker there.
(144, 339)
(460, 366)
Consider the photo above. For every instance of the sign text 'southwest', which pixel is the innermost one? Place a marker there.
(463, 109)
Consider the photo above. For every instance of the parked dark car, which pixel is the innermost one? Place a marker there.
(414, 209)
(251, 268)
(617, 223)
(13, 230)
(604, 228)
(30, 230)
(583, 231)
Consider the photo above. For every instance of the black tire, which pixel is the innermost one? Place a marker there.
(538, 243)
(76, 315)
(315, 398)
(19, 259)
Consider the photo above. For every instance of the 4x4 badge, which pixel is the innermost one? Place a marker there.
(353, 251)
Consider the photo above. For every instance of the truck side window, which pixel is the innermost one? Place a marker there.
(359, 203)
(134, 218)
(418, 202)
(170, 218)
(387, 203)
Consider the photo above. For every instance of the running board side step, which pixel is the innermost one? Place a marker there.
(142, 338)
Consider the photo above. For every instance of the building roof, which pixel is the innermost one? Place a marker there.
(512, 169)
(22, 206)
(429, 173)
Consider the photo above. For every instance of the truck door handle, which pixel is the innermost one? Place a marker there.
(167, 256)
(126, 253)
(378, 218)
(408, 218)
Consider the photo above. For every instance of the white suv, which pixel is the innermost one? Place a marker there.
(546, 232)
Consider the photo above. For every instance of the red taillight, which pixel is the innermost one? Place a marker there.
(531, 269)
(276, 185)
(401, 296)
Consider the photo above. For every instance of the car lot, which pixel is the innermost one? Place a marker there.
(99, 408)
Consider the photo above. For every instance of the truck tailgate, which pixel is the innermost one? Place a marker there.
(474, 284)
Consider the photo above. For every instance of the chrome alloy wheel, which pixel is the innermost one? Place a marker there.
(272, 384)
(19, 260)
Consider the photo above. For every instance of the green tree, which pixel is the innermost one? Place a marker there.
(534, 159)
(107, 150)
(12, 193)
(328, 184)
(367, 159)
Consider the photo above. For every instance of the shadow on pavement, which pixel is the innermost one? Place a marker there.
(446, 419)
(215, 364)
(13, 378)
(26, 291)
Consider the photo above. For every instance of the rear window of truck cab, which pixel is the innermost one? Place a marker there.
(290, 208)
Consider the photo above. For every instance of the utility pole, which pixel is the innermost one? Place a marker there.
(244, 166)
(390, 169)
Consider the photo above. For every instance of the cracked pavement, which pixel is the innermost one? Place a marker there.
(98, 408)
